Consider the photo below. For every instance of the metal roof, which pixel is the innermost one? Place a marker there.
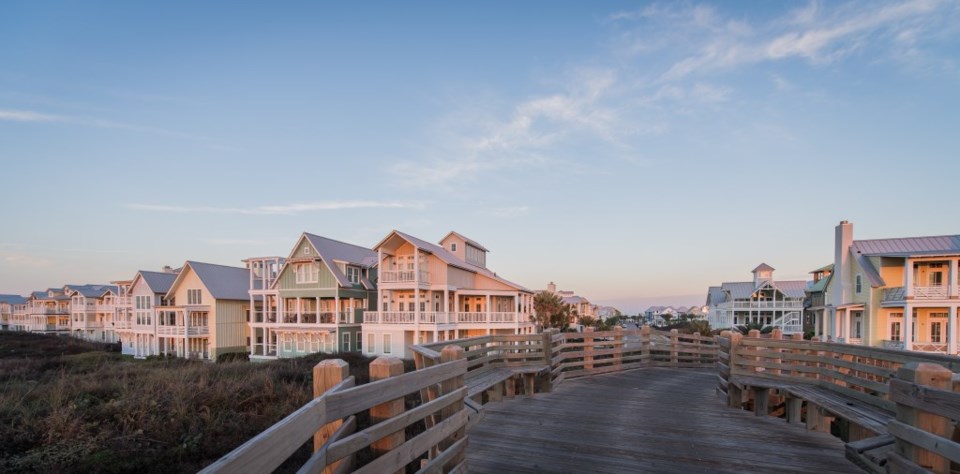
(332, 251)
(745, 289)
(158, 282)
(909, 246)
(825, 268)
(821, 285)
(763, 267)
(223, 282)
(12, 299)
(91, 291)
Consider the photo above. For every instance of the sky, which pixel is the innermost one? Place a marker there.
(633, 152)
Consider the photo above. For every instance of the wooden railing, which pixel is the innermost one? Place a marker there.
(441, 381)
(331, 420)
(915, 388)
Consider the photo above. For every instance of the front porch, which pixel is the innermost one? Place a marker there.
(924, 328)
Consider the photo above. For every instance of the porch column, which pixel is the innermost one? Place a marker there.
(336, 306)
(418, 338)
(488, 309)
(446, 304)
(908, 278)
(908, 327)
(379, 306)
(299, 309)
(317, 300)
(952, 330)
(952, 279)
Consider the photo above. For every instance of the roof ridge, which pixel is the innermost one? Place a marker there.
(337, 241)
(192, 262)
(904, 238)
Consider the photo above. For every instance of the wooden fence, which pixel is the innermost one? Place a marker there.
(445, 372)
(916, 389)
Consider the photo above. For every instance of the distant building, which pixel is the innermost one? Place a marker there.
(816, 305)
(8, 305)
(763, 301)
(578, 306)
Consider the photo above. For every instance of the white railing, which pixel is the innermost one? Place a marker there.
(404, 276)
(930, 292)
(471, 317)
(183, 331)
(408, 317)
(929, 346)
(435, 318)
(889, 344)
(786, 304)
(390, 317)
(503, 317)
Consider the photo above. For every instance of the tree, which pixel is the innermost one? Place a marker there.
(551, 312)
(666, 318)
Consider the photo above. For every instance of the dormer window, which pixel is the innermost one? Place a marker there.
(353, 274)
(453, 247)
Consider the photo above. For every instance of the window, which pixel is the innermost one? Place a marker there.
(936, 279)
(387, 344)
(935, 331)
(306, 250)
(895, 331)
(353, 274)
(307, 273)
(359, 341)
(453, 247)
(193, 296)
(346, 342)
(371, 343)
(859, 283)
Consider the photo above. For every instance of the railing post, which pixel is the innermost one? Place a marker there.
(796, 337)
(674, 347)
(450, 354)
(696, 348)
(381, 368)
(645, 346)
(618, 347)
(776, 335)
(928, 375)
(546, 384)
(587, 348)
(326, 374)
(734, 394)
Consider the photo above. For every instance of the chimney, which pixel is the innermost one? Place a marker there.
(552, 288)
(167, 269)
(840, 285)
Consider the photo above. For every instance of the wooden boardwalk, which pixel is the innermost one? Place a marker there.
(649, 420)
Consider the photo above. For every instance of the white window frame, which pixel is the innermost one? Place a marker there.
(936, 336)
(345, 346)
(353, 274)
(194, 296)
(371, 343)
(307, 272)
(387, 343)
(359, 341)
(453, 246)
(859, 284)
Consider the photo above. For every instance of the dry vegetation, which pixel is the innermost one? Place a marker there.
(71, 406)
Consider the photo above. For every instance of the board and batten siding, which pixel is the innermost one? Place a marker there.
(460, 278)
(230, 329)
(288, 279)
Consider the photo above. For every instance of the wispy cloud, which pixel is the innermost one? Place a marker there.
(32, 116)
(507, 212)
(284, 209)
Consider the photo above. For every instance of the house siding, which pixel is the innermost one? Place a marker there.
(230, 330)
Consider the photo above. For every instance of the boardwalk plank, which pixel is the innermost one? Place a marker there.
(652, 420)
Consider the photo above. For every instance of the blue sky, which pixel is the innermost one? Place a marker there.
(633, 152)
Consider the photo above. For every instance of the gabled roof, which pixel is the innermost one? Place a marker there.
(825, 268)
(448, 258)
(158, 282)
(821, 285)
(332, 251)
(90, 291)
(715, 295)
(574, 300)
(465, 239)
(905, 247)
(763, 267)
(12, 299)
(223, 282)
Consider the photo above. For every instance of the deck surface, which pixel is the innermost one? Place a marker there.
(648, 420)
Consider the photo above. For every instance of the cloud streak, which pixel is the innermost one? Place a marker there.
(284, 209)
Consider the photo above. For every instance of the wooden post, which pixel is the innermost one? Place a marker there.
(761, 401)
(796, 337)
(546, 384)
(674, 347)
(450, 354)
(929, 375)
(587, 348)
(381, 368)
(794, 409)
(734, 395)
(817, 419)
(645, 346)
(776, 335)
(819, 354)
(326, 374)
(618, 347)
(697, 356)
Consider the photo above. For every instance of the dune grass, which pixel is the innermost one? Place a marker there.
(72, 406)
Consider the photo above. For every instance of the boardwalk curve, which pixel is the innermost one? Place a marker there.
(649, 420)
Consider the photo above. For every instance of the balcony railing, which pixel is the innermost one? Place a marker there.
(408, 317)
(785, 304)
(183, 331)
(404, 276)
(899, 293)
(323, 317)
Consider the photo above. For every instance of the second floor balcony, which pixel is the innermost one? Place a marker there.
(899, 293)
(792, 303)
(405, 277)
(314, 317)
(409, 317)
